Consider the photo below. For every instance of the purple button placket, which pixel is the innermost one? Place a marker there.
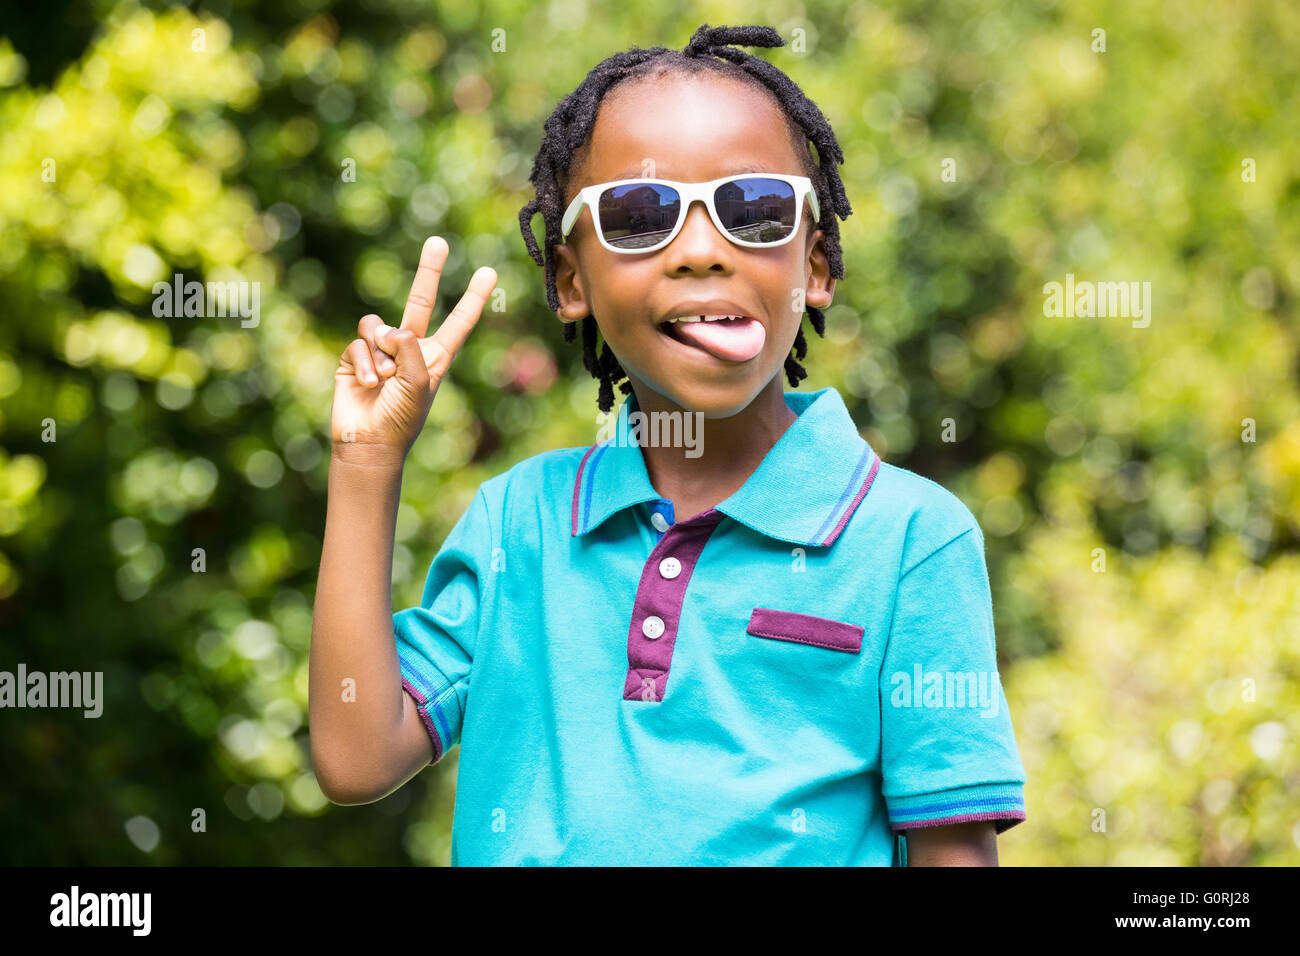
(659, 595)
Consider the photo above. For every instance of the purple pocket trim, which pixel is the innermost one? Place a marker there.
(806, 629)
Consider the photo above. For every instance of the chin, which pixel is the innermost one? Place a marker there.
(721, 400)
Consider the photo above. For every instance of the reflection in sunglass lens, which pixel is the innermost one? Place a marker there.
(755, 209)
(638, 215)
(752, 209)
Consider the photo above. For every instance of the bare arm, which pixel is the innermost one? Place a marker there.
(367, 738)
(960, 844)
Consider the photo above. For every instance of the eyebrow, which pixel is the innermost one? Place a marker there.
(635, 172)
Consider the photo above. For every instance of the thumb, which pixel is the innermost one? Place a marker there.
(405, 348)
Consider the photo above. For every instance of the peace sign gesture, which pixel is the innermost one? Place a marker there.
(387, 377)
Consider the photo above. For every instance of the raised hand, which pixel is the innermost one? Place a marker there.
(387, 377)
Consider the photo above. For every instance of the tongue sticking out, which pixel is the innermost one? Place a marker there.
(736, 340)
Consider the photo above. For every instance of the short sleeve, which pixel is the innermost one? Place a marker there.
(435, 641)
(948, 751)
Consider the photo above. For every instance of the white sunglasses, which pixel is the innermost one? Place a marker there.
(754, 210)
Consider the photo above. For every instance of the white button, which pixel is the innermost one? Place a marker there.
(670, 567)
(652, 627)
(659, 521)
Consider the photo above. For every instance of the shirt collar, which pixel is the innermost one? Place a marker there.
(804, 491)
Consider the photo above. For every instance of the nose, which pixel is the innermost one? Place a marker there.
(699, 244)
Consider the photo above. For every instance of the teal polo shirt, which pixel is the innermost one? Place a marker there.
(798, 675)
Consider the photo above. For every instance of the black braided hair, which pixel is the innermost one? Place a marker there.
(569, 126)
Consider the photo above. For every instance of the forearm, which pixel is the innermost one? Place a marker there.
(355, 692)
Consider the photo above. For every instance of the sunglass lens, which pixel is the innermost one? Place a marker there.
(638, 215)
(756, 209)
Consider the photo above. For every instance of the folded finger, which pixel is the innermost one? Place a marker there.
(372, 329)
(357, 355)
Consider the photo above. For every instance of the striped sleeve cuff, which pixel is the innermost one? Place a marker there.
(1002, 803)
(433, 696)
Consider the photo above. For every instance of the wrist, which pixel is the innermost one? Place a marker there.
(367, 455)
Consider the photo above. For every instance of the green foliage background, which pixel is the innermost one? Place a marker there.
(1139, 488)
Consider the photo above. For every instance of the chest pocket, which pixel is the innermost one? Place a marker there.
(806, 629)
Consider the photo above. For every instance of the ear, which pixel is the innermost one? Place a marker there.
(819, 285)
(568, 285)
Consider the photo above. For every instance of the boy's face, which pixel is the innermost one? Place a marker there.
(690, 130)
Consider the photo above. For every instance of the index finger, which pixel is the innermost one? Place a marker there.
(424, 290)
